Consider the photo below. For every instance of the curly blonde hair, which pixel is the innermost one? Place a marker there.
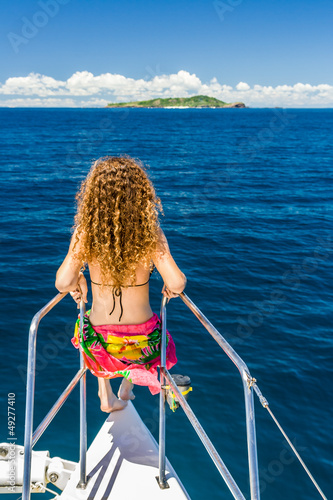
(117, 219)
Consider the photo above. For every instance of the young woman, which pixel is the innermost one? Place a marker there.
(117, 234)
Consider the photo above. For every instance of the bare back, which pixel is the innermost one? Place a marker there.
(134, 307)
(129, 307)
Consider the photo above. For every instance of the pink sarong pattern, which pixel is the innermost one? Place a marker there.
(131, 351)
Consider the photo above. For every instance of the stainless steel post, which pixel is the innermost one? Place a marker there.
(30, 391)
(56, 407)
(161, 477)
(248, 394)
(229, 480)
(251, 439)
(83, 413)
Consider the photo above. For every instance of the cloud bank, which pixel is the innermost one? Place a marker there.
(83, 89)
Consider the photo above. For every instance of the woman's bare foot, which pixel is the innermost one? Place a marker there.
(112, 404)
(109, 401)
(125, 390)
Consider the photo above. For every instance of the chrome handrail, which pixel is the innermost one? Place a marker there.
(83, 413)
(161, 476)
(249, 407)
(31, 438)
(56, 407)
(223, 470)
(248, 381)
(249, 384)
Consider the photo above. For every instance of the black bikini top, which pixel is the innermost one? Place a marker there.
(117, 292)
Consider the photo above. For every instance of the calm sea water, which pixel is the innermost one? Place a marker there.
(247, 198)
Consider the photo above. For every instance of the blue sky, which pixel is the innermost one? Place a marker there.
(266, 47)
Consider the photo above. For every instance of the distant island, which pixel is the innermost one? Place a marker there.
(199, 101)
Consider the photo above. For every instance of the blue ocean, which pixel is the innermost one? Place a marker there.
(248, 212)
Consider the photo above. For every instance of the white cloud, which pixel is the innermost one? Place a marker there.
(93, 103)
(83, 89)
(33, 84)
(242, 86)
(27, 102)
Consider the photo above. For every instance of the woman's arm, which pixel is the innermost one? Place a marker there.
(174, 279)
(69, 277)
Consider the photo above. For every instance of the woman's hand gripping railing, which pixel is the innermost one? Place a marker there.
(166, 376)
(31, 438)
(248, 382)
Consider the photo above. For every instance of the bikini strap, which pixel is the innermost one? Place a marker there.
(123, 286)
(94, 282)
(140, 284)
(117, 292)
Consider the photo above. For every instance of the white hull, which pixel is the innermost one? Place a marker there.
(122, 463)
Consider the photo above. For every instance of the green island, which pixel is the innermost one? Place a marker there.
(198, 101)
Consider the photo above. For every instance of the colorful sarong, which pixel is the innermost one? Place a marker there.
(130, 351)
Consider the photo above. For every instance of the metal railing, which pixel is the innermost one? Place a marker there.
(249, 384)
(31, 438)
(249, 408)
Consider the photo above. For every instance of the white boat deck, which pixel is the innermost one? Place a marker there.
(122, 463)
